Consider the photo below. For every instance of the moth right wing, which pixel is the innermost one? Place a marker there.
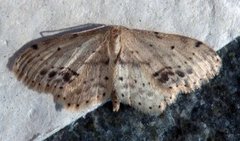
(153, 68)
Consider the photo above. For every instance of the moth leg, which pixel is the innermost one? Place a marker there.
(115, 101)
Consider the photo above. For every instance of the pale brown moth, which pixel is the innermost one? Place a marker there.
(144, 69)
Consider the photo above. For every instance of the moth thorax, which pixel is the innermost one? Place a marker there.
(115, 45)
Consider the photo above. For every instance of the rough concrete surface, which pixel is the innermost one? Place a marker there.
(27, 115)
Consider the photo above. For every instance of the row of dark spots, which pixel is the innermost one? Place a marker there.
(135, 81)
(77, 105)
(197, 44)
(164, 75)
(134, 51)
(172, 47)
(66, 76)
(103, 95)
(150, 107)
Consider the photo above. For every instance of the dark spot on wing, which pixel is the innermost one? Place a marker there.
(66, 77)
(198, 44)
(172, 47)
(180, 73)
(43, 72)
(168, 67)
(106, 78)
(189, 71)
(165, 76)
(52, 74)
(75, 73)
(58, 49)
(156, 74)
(74, 36)
(34, 46)
(120, 78)
(107, 61)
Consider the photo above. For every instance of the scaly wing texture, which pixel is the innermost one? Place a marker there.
(150, 71)
(154, 67)
(69, 66)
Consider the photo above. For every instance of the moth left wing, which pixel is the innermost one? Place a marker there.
(56, 64)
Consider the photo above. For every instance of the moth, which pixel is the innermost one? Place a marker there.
(144, 69)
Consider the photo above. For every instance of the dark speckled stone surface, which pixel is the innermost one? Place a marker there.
(211, 113)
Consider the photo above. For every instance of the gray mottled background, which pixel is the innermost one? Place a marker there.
(27, 115)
